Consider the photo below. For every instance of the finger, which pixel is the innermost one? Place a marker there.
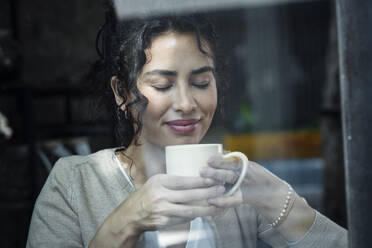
(160, 214)
(174, 182)
(192, 212)
(165, 221)
(183, 196)
(231, 163)
(227, 201)
(222, 175)
(161, 221)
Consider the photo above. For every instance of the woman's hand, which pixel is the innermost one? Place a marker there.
(262, 190)
(166, 200)
(163, 201)
(258, 187)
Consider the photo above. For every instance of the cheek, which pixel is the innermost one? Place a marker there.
(156, 107)
(208, 102)
(209, 106)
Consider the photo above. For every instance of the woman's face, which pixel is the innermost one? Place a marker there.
(178, 81)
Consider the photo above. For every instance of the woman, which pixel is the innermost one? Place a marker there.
(164, 74)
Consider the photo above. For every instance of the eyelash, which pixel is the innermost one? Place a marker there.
(202, 85)
(163, 89)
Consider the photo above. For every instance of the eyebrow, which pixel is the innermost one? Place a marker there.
(202, 70)
(174, 73)
(160, 72)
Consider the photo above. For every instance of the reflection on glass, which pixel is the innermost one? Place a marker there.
(166, 80)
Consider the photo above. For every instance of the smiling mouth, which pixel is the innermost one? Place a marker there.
(183, 126)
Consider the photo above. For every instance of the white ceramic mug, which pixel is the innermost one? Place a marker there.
(188, 160)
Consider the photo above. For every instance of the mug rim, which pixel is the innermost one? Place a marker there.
(177, 147)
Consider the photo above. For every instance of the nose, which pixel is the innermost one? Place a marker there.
(184, 100)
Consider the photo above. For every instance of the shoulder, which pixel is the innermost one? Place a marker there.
(91, 159)
(68, 171)
(60, 206)
(94, 161)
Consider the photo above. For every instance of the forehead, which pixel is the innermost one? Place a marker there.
(177, 51)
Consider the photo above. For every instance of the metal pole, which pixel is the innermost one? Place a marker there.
(355, 48)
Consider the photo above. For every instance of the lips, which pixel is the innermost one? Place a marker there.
(183, 126)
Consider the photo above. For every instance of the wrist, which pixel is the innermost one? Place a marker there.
(116, 231)
(298, 221)
(269, 199)
(289, 201)
(123, 228)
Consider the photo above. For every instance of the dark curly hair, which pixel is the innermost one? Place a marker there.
(121, 46)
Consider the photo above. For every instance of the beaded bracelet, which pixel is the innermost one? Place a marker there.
(286, 207)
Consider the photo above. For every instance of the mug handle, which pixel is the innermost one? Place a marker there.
(242, 173)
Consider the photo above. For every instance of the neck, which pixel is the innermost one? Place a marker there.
(148, 160)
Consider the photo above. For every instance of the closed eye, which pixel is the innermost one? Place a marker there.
(201, 85)
(163, 88)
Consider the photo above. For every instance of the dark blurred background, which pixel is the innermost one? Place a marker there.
(283, 109)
